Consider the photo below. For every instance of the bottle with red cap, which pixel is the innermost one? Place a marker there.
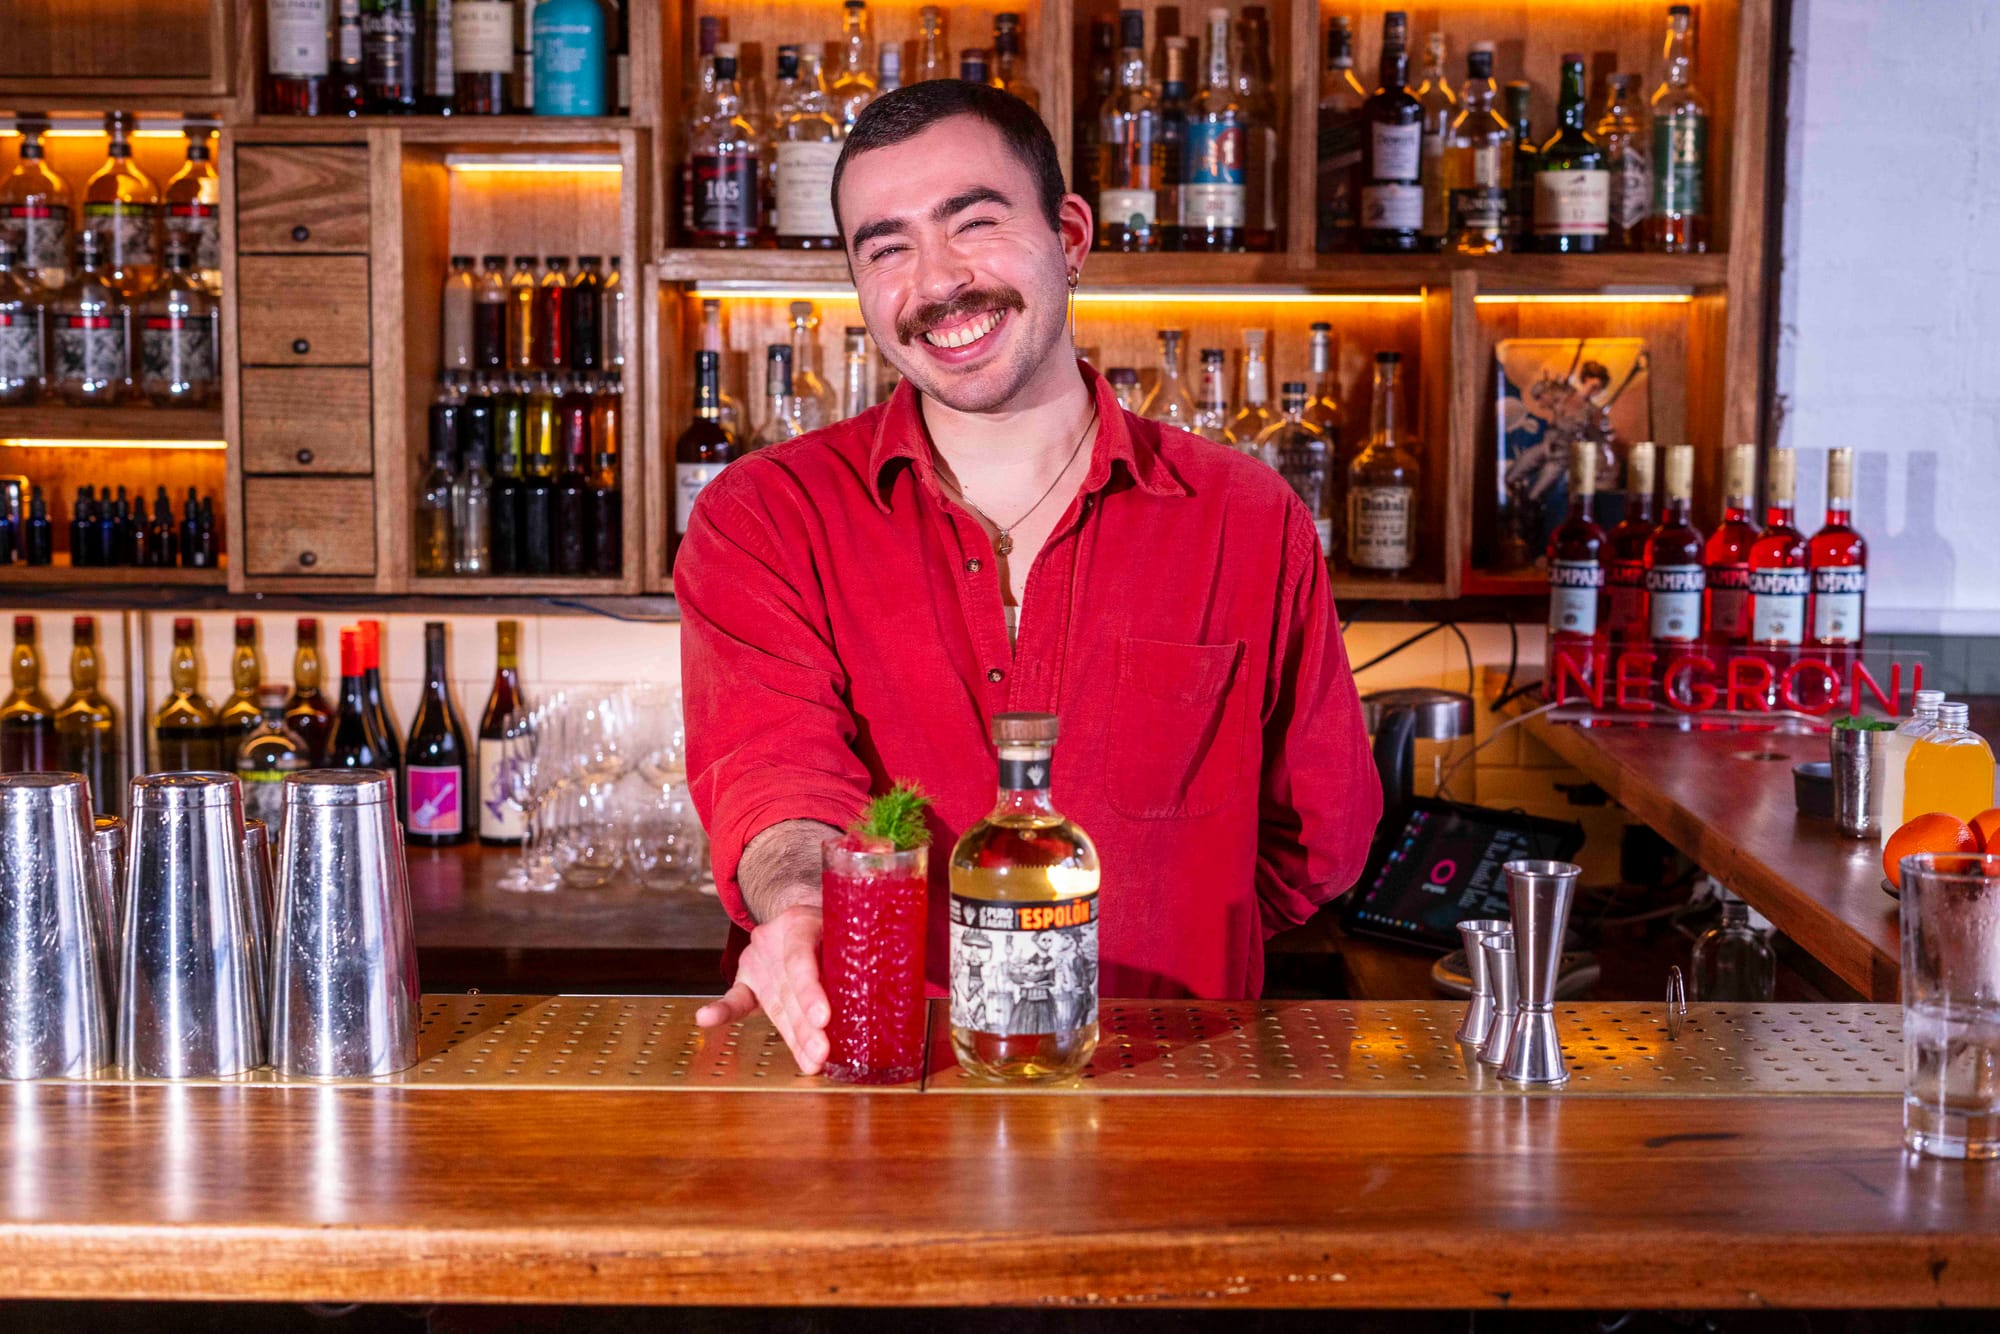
(354, 743)
(387, 734)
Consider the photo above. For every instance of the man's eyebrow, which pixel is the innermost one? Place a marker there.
(958, 203)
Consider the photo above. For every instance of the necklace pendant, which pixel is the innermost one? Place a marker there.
(1002, 544)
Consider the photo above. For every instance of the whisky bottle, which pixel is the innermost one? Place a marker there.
(501, 820)
(27, 722)
(436, 764)
(1726, 618)
(1675, 579)
(390, 54)
(1128, 159)
(816, 403)
(1254, 418)
(1576, 562)
(1572, 185)
(1010, 66)
(177, 344)
(730, 413)
(1521, 167)
(1169, 401)
(1211, 406)
(853, 85)
(90, 332)
(1086, 122)
(1024, 917)
(1679, 220)
(1476, 162)
(781, 411)
(1780, 580)
(1837, 555)
(307, 713)
(23, 333)
(482, 56)
(1439, 111)
(1302, 458)
(552, 314)
(240, 713)
(722, 166)
(86, 724)
(187, 737)
(121, 207)
(1625, 616)
(1392, 193)
(1338, 150)
(349, 94)
(808, 145)
(1631, 169)
(1213, 193)
(1263, 168)
(296, 56)
(1323, 410)
(35, 212)
(704, 448)
(269, 752)
(1173, 144)
(1382, 486)
(192, 211)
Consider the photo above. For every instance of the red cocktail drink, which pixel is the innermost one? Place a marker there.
(872, 959)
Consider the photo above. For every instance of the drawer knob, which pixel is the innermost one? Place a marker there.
(301, 233)
(308, 559)
(305, 457)
(301, 346)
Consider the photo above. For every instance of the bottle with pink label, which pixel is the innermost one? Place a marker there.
(435, 804)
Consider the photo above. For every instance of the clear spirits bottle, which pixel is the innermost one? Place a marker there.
(1024, 920)
(1323, 410)
(1211, 410)
(816, 406)
(121, 206)
(1129, 152)
(35, 212)
(193, 210)
(933, 48)
(1124, 382)
(1476, 162)
(781, 407)
(431, 557)
(1618, 129)
(90, 333)
(854, 84)
(176, 327)
(1733, 960)
(472, 502)
(1010, 66)
(1679, 217)
(888, 70)
(808, 144)
(1169, 401)
(1301, 456)
(1382, 486)
(1255, 417)
(1439, 110)
(1338, 152)
(857, 379)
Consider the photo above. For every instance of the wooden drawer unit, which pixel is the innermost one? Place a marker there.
(309, 525)
(303, 310)
(301, 198)
(307, 421)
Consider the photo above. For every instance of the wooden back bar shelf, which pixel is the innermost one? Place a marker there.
(338, 233)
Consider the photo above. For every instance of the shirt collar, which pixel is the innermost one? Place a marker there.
(1122, 438)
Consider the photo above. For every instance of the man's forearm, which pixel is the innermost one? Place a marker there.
(780, 867)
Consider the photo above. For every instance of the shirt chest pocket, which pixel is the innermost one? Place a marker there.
(1176, 746)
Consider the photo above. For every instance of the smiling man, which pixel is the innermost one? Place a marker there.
(1001, 536)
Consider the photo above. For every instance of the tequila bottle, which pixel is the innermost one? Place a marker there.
(1169, 401)
(1024, 919)
(1301, 456)
(1382, 486)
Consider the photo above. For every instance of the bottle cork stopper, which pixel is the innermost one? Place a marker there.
(1024, 729)
(1840, 473)
(1583, 468)
(1680, 472)
(1782, 477)
(1741, 478)
(1639, 468)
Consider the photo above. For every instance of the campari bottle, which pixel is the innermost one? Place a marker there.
(1674, 575)
(1838, 559)
(1625, 620)
(1576, 567)
(1727, 617)
(1779, 580)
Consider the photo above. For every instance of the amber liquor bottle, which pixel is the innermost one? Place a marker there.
(1576, 563)
(307, 712)
(1625, 618)
(1838, 559)
(1779, 580)
(1726, 619)
(186, 735)
(704, 448)
(723, 166)
(1674, 574)
(27, 721)
(86, 724)
(241, 713)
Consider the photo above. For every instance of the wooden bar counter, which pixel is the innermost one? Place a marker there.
(527, 1161)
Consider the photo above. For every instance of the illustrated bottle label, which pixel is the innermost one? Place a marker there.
(124, 232)
(176, 350)
(500, 817)
(1631, 188)
(1778, 605)
(1213, 195)
(200, 224)
(89, 349)
(1023, 969)
(689, 479)
(1399, 152)
(1572, 203)
(20, 347)
(435, 799)
(1573, 589)
(805, 188)
(1673, 592)
(1626, 610)
(482, 36)
(297, 47)
(1380, 527)
(1729, 601)
(725, 193)
(1680, 151)
(41, 235)
(1131, 209)
(1837, 594)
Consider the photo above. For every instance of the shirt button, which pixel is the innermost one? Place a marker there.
(972, 566)
(995, 675)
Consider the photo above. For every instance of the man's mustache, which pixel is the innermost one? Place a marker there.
(965, 303)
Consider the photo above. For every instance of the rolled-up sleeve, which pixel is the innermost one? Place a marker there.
(769, 734)
(1318, 799)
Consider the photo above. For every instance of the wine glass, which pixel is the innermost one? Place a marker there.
(530, 759)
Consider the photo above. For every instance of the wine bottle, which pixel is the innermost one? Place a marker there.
(383, 722)
(186, 735)
(306, 711)
(354, 744)
(502, 822)
(435, 761)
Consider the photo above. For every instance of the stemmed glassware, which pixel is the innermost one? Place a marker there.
(529, 750)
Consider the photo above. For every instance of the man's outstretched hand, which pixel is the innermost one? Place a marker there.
(779, 974)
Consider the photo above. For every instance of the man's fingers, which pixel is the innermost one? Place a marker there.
(732, 1005)
(807, 995)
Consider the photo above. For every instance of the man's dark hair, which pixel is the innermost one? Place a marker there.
(914, 108)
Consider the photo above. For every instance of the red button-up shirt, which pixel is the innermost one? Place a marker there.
(842, 628)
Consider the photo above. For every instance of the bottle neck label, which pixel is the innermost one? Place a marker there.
(1030, 775)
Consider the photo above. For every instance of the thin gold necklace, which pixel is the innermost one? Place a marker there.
(1003, 542)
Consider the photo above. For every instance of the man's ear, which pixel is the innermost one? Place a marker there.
(1077, 227)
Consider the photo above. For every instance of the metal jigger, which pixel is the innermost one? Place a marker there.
(344, 995)
(1499, 950)
(55, 1010)
(1539, 894)
(188, 1005)
(1479, 1008)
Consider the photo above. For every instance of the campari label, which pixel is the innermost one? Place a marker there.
(1674, 592)
(1778, 606)
(1837, 595)
(1573, 589)
(1729, 601)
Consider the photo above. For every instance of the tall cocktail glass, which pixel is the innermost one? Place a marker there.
(874, 908)
(1951, 1004)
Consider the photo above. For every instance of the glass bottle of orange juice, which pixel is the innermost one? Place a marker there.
(1950, 769)
(1896, 757)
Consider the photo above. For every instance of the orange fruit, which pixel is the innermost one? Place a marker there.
(1936, 832)
(1986, 828)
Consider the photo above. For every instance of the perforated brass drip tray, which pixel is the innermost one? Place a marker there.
(1249, 1048)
